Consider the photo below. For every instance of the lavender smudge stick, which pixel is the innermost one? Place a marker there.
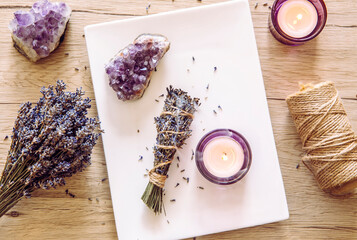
(172, 130)
(51, 141)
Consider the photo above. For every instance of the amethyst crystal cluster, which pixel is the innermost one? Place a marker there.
(131, 69)
(38, 32)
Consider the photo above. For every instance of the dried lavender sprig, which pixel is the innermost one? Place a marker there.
(51, 140)
(172, 130)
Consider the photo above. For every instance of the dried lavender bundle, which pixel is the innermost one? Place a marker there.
(172, 130)
(50, 141)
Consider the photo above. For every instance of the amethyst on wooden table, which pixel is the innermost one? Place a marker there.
(36, 33)
(130, 70)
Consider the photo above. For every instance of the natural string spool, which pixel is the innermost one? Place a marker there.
(327, 137)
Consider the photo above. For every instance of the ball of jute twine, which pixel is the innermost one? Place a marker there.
(327, 137)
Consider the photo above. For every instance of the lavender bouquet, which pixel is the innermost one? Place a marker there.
(50, 141)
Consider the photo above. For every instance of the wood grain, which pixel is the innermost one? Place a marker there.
(54, 215)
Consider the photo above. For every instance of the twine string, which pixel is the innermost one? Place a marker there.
(156, 178)
(326, 135)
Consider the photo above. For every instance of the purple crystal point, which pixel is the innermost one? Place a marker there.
(130, 70)
(38, 32)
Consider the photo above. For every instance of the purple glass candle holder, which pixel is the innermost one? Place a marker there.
(282, 37)
(205, 140)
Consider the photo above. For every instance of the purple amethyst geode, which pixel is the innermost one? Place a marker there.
(130, 70)
(38, 32)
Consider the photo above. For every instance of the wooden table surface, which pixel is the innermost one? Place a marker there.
(54, 215)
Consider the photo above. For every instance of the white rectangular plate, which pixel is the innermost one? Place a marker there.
(219, 36)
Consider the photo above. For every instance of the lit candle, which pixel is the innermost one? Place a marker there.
(294, 22)
(223, 156)
(297, 18)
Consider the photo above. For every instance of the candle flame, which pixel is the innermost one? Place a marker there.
(299, 16)
(224, 157)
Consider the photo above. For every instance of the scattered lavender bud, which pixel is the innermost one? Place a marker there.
(188, 180)
(140, 157)
(182, 170)
(147, 149)
(104, 179)
(138, 130)
(214, 111)
(162, 95)
(155, 69)
(177, 184)
(97, 199)
(173, 200)
(147, 8)
(193, 59)
(265, 4)
(178, 165)
(200, 187)
(219, 107)
(72, 195)
(207, 87)
(6, 137)
(256, 5)
(83, 35)
(66, 54)
(90, 199)
(76, 69)
(297, 166)
(37, 32)
(215, 68)
(178, 158)
(156, 100)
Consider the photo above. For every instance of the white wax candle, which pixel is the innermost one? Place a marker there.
(223, 157)
(297, 18)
